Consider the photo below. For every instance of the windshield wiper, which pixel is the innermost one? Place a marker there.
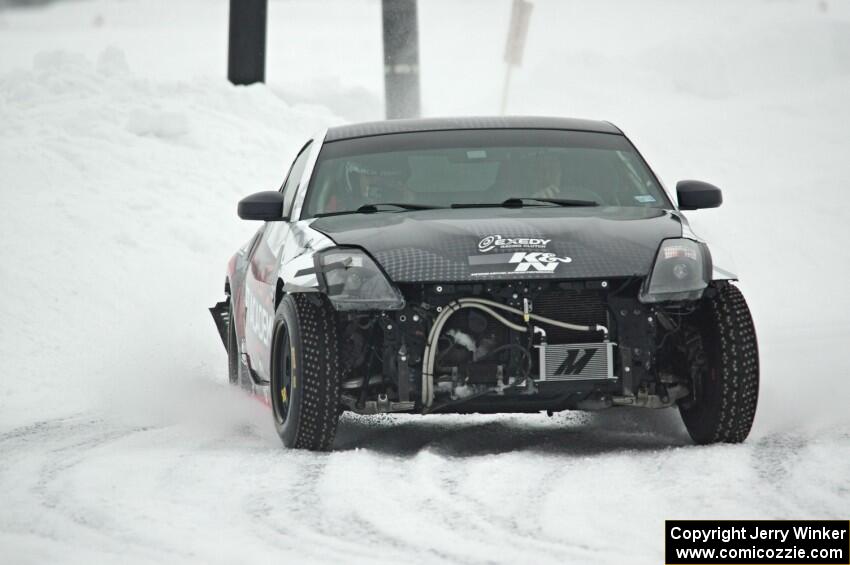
(517, 202)
(563, 201)
(372, 208)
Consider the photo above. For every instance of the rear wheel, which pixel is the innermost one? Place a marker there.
(232, 348)
(724, 393)
(305, 374)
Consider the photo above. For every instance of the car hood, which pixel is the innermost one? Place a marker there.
(473, 244)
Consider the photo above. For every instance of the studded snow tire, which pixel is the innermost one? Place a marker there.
(724, 399)
(306, 416)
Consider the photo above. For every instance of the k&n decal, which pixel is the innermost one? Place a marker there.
(531, 262)
(537, 261)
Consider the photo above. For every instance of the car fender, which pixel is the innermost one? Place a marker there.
(237, 269)
(722, 263)
(296, 272)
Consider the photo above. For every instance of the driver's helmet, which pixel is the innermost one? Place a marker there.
(381, 173)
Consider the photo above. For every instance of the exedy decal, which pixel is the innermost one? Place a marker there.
(505, 243)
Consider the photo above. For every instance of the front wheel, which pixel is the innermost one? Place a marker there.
(722, 404)
(305, 373)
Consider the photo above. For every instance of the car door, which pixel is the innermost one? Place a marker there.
(262, 275)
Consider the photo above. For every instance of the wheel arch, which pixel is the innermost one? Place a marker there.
(279, 293)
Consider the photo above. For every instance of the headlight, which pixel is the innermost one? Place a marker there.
(353, 281)
(682, 270)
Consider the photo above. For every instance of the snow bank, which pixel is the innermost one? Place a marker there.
(117, 217)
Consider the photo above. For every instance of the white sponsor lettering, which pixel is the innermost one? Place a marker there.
(498, 242)
(259, 319)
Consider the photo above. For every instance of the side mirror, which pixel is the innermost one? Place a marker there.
(266, 206)
(695, 194)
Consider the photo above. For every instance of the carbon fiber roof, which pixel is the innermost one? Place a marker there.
(495, 122)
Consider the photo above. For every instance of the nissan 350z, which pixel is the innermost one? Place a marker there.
(483, 265)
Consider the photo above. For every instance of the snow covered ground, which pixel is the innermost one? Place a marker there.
(123, 152)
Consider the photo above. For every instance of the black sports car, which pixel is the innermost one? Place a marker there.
(483, 265)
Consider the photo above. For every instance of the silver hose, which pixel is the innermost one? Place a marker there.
(430, 351)
(542, 319)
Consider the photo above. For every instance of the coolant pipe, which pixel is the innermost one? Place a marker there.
(543, 319)
(430, 351)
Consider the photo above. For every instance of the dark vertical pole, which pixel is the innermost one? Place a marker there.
(401, 58)
(246, 53)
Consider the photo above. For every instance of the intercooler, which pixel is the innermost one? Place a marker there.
(576, 306)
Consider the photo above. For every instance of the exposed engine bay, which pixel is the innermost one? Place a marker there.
(525, 345)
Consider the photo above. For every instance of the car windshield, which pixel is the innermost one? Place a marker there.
(480, 167)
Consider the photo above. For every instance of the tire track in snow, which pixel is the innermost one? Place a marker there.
(315, 533)
(476, 489)
(801, 475)
(61, 446)
(453, 446)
